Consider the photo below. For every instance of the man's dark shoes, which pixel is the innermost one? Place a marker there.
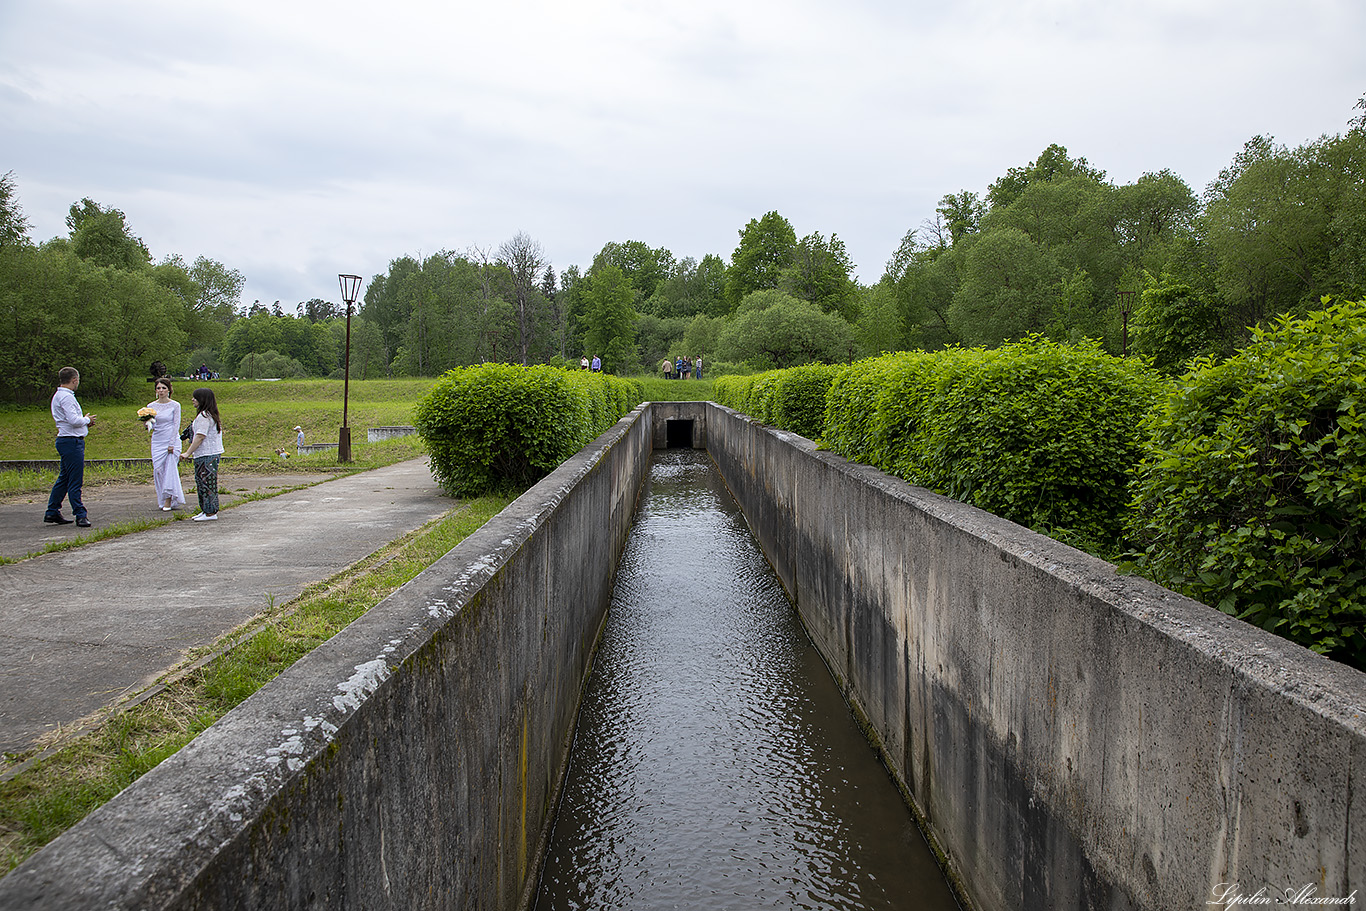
(58, 519)
(82, 522)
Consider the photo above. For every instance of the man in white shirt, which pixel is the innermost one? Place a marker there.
(72, 426)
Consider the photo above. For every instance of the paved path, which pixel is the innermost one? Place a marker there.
(81, 629)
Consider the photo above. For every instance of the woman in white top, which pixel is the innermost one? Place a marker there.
(205, 449)
(166, 447)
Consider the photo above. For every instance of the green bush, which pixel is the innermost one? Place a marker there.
(733, 391)
(1252, 494)
(1042, 433)
(498, 427)
(762, 394)
(857, 425)
(799, 400)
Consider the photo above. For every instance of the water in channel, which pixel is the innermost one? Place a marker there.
(715, 765)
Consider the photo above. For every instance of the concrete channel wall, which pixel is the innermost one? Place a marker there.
(408, 763)
(1072, 738)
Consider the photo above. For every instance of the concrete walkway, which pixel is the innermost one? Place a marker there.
(82, 629)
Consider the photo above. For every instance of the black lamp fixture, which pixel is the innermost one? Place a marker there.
(350, 289)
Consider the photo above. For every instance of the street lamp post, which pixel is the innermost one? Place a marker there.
(1124, 305)
(350, 287)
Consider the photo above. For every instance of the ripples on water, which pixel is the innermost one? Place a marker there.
(715, 765)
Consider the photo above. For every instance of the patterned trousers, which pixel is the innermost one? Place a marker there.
(206, 483)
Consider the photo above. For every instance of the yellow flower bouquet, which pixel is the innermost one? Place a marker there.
(148, 416)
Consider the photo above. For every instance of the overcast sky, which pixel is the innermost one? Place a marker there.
(293, 140)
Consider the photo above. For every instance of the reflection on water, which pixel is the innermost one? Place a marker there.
(715, 765)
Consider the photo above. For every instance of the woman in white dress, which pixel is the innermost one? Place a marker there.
(166, 447)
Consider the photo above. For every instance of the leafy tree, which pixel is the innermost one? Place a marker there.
(102, 236)
(60, 309)
(317, 310)
(257, 333)
(766, 248)
(961, 214)
(774, 329)
(925, 279)
(1152, 216)
(1174, 324)
(609, 321)
(879, 327)
(1284, 226)
(14, 225)
(270, 364)
(821, 273)
(703, 335)
(574, 300)
(1009, 289)
(644, 267)
(658, 337)
(389, 300)
(1052, 164)
(691, 288)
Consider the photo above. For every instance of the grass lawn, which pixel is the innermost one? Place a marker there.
(258, 417)
(658, 389)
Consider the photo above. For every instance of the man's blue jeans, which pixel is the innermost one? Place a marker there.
(70, 477)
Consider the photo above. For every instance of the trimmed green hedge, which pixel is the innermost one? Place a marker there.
(499, 427)
(791, 399)
(1252, 495)
(1040, 433)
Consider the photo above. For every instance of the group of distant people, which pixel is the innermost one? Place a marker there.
(681, 368)
(162, 416)
(594, 365)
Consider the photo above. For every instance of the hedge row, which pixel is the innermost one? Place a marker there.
(793, 399)
(497, 427)
(1252, 496)
(1241, 484)
(1037, 432)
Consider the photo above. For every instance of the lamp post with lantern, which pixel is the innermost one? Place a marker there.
(1125, 308)
(350, 288)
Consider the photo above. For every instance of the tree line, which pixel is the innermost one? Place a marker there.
(1050, 247)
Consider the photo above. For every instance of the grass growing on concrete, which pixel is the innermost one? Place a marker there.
(45, 797)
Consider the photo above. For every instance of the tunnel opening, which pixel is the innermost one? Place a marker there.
(678, 434)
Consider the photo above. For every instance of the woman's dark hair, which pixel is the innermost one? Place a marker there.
(163, 381)
(205, 403)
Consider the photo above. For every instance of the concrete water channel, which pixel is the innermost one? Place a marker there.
(715, 764)
(1069, 737)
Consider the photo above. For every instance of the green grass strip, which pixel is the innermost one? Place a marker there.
(55, 792)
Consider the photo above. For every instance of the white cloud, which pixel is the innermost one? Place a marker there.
(297, 140)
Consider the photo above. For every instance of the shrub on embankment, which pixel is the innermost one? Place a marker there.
(1041, 433)
(1241, 484)
(1252, 493)
(793, 399)
(501, 426)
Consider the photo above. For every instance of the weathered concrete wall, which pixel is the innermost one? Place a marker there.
(379, 434)
(664, 412)
(1073, 738)
(410, 762)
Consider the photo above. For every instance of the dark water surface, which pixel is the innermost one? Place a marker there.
(715, 765)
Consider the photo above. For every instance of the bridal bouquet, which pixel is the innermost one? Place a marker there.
(148, 416)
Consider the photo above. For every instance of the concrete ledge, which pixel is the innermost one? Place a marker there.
(377, 434)
(1071, 737)
(409, 762)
